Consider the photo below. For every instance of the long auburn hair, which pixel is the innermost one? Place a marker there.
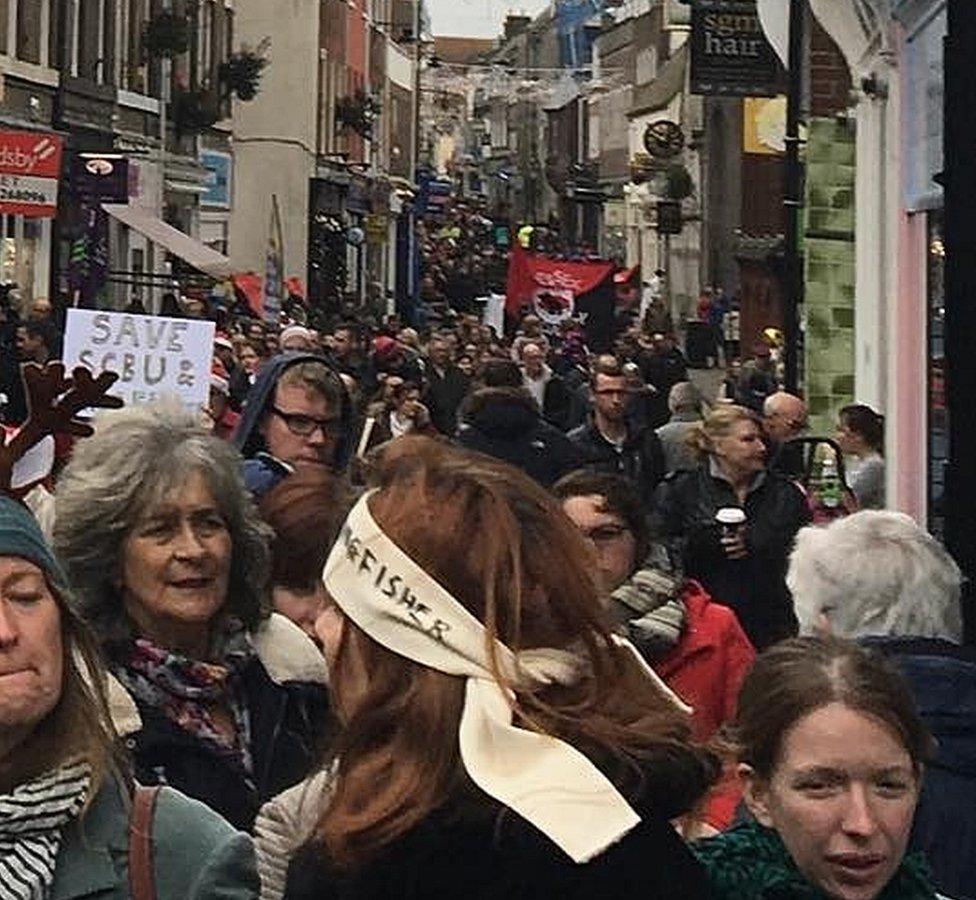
(505, 550)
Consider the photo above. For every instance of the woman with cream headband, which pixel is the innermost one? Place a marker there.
(496, 740)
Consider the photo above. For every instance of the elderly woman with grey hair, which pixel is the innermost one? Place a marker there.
(878, 578)
(215, 695)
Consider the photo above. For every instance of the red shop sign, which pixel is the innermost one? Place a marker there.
(30, 166)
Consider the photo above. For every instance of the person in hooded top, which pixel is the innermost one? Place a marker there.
(297, 415)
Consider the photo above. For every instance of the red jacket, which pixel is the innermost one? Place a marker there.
(706, 669)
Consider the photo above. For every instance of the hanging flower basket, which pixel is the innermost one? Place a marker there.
(358, 113)
(240, 75)
(166, 35)
(194, 111)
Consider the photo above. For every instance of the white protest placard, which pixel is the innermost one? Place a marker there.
(154, 356)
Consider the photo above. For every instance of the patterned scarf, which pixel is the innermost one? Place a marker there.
(182, 689)
(32, 819)
(751, 862)
(648, 609)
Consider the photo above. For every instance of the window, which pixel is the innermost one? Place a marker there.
(89, 43)
(29, 30)
(4, 15)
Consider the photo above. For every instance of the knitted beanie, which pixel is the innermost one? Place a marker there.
(21, 536)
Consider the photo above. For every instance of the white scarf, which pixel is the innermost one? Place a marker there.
(543, 779)
(32, 820)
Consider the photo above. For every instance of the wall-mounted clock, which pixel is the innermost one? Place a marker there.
(664, 139)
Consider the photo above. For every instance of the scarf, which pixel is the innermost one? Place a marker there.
(32, 819)
(648, 609)
(181, 688)
(751, 862)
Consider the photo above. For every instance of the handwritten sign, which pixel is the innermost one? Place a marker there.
(154, 357)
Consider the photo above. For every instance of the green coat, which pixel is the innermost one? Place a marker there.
(196, 854)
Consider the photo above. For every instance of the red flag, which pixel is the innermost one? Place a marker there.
(550, 286)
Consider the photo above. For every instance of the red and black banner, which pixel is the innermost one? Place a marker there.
(558, 289)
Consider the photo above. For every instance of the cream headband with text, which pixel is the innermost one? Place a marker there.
(545, 780)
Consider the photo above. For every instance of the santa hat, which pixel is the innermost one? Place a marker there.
(222, 340)
(219, 379)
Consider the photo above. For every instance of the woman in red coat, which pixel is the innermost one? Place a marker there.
(695, 645)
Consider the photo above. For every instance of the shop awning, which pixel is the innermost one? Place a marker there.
(191, 251)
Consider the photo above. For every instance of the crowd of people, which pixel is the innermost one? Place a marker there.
(451, 613)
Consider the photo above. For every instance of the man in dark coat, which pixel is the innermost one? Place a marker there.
(607, 442)
(447, 386)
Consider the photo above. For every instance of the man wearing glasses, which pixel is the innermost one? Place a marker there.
(608, 442)
(296, 416)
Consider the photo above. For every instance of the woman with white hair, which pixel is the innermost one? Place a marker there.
(878, 578)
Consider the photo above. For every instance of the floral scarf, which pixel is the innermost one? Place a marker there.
(751, 862)
(182, 688)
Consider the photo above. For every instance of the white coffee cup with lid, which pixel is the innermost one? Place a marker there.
(731, 519)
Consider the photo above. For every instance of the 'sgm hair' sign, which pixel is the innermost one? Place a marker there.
(730, 56)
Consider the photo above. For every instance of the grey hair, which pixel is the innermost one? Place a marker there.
(875, 573)
(135, 458)
(684, 397)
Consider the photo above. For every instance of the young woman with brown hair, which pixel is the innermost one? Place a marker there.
(497, 740)
(831, 750)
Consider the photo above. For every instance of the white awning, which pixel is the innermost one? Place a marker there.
(190, 250)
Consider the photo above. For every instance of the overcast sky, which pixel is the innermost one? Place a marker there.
(476, 18)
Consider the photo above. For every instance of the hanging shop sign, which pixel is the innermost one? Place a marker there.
(730, 56)
(30, 166)
(101, 177)
(219, 167)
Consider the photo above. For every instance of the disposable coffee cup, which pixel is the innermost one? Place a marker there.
(731, 519)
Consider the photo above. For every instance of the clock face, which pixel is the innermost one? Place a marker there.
(663, 139)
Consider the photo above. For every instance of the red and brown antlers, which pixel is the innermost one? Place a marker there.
(53, 402)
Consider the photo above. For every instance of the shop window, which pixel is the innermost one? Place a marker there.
(29, 30)
(4, 15)
(89, 45)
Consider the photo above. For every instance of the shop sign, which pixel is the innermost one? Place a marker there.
(154, 356)
(377, 228)
(730, 56)
(218, 166)
(30, 166)
(101, 177)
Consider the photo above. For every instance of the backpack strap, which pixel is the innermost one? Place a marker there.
(142, 878)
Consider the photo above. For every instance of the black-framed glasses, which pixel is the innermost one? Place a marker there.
(304, 426)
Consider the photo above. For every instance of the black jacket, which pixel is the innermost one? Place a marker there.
(443, 397)
(755, 588)
(289, 729)
(505, 423)
(557, 403)
(641, 459)
(448, 858)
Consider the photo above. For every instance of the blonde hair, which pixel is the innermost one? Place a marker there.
(717, 424)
